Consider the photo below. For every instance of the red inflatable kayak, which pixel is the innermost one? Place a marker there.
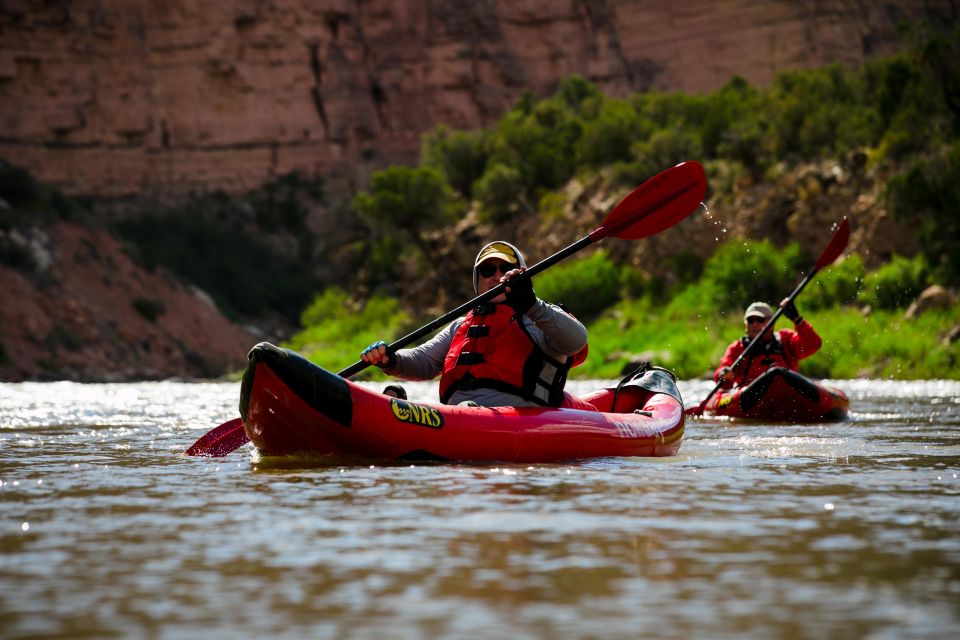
(291, 406)
(781, 395)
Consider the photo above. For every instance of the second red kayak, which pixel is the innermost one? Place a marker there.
(781, 395)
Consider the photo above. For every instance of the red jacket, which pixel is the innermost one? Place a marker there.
(786, 349)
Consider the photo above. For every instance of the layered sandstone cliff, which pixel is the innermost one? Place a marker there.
(88, 312)
(113, 97)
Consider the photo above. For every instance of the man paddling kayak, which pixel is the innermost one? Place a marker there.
(515, 351)
(783, 348)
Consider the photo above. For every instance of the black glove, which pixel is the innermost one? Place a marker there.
(790, 310)
(521, 296)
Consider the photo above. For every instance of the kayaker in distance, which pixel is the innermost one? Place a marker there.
(514, 351)
(783, 348)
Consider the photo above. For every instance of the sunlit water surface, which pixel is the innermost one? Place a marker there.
(754, 531)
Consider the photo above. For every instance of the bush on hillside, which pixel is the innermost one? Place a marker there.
(742, 272)
(17, 187)
(408, 200)
(607, 138)
(336, 328)
(837, 285)
(32, 202)
(461, 155)
(236, 267)
(895, 284)
(539, 142)
(928, 194)
(586, 286)
(382, 256)
(500, 194)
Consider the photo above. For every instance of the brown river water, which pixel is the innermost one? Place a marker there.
(847, 530)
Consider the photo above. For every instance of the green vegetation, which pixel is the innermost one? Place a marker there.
(254, 280)
(586, 286)
(897, 112)
(403, 203)
(31, 201)
(222, 244)
(878, 344)
(885, 344)
(688, 328)
(680, 330)
(338, 329)
(896, 284)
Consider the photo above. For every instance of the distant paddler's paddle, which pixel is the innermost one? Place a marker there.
(657, 204)
(833, 250)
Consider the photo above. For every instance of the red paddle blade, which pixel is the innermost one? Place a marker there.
(220, 441)
(657, 204)
(837, 244)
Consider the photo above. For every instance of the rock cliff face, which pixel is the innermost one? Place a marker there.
(116, 98)
(89, 313)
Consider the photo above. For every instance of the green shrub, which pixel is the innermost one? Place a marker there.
(382, 258)
(733, 128)
(703, 298)
(741, 272)
(236, 267)
(635, 284)
(666, 148)
(336, 328)
(460, 155)
(32, 202)
(579, 95)
(539, 143)
(408, 199)
(896, 284)
(928, 194)
(837, 285)
(500, 193)
(586, 286)
(820, 112)
(607, 139)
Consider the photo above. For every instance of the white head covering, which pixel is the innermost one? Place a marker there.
(498, 249)
(761, 309)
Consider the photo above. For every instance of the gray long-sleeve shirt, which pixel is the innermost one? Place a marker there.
(558, 333)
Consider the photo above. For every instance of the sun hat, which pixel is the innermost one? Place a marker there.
(761, 309)
(498, 249)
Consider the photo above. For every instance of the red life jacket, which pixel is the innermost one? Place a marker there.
(491, 349)
(765, 355)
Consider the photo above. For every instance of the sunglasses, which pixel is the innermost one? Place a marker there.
(756, 320)
(487, 269)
